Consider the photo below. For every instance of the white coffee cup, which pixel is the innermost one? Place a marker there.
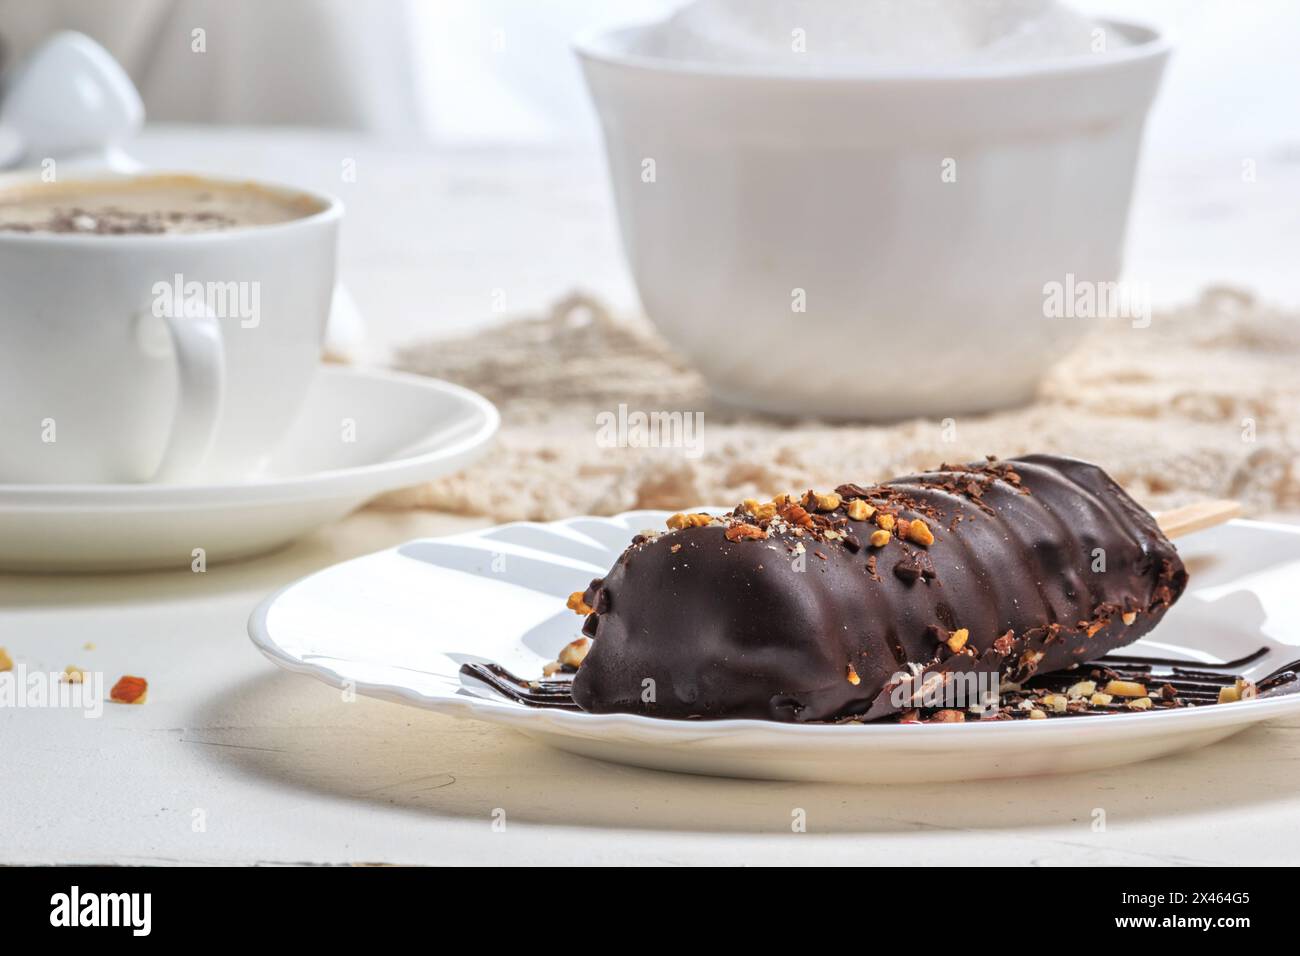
(173, 357)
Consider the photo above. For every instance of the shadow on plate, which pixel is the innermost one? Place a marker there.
(297, 732)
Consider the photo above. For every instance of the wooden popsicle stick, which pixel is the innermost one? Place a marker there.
(1177, 522)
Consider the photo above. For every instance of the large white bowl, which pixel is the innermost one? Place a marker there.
(739, 191)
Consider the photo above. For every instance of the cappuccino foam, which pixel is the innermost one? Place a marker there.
(147, 205)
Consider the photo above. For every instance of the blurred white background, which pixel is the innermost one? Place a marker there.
(458, 72)
(500, 70)
(481, 190)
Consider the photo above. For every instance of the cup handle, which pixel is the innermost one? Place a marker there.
(201, 377)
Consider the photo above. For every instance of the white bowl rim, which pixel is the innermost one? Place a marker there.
(593, 45)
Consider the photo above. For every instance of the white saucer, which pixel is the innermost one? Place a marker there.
(407, 429)
(398, 624)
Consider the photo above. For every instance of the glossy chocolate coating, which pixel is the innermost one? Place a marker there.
(1038, 558)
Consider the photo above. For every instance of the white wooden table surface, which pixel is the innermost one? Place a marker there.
(233, 761)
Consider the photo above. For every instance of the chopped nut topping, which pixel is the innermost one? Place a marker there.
(852, 676)
(575, 652)
(958, 639)
(1094, 627)
(948, 716)
(1128, 617)
(72, 674)
(827, 502)
(6, 662)
(796, 515)
(1036, 714)
(1142, 703)
(1241, 690)
(919, 532)
(678, 521)
(675, 548)
(859, 510)
(1056, 702)
(761, 511)
(1100, 700)
(551, 668)
(879, 538)
(1081, 689)
(1125, 688)
(129, 690)
(738, 532)
(577, 604)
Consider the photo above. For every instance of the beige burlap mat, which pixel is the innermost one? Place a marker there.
(1203, 403)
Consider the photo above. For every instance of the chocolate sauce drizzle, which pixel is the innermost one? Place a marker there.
(1195, 683)
(534, 693)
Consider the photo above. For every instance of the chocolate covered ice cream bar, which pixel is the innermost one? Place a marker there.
(847, 604)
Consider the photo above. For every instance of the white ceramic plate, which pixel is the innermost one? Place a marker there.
(360, 433)
(398, 624)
